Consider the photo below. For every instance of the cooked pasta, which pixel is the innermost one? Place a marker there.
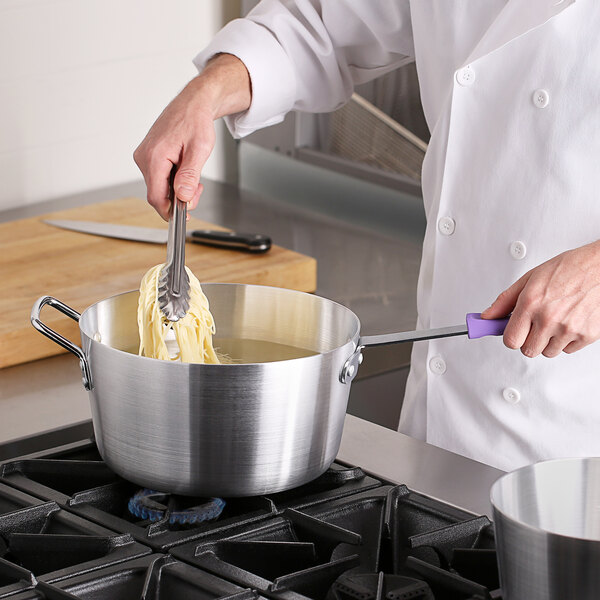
(193, 333)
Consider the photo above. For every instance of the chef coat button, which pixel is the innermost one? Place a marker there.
(541, 98)
(466, 76)
(511, 395)
(437, 365)
(518, 250)
(446, 225)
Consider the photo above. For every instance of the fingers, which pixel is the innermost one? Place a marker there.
(533, 339)
(157, 185)
(533, 330)
(187, 185)
(156, 164)
(542, 334)
(555, 346)
(575, 345)
(187, 181)
(506, 301)
(519, 329)
(527, 329)
(568, 345)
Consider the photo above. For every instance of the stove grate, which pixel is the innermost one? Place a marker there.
(153, 577)
(50, 543)
(378, 586)
(298, 553)
(66, 532)
(79, 481)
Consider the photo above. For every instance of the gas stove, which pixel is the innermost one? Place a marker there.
(71, 528)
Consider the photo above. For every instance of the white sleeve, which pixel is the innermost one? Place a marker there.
(308, 55)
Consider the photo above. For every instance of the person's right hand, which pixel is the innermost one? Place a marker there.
(184, 133)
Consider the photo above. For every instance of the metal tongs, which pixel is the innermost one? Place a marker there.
(173, 282)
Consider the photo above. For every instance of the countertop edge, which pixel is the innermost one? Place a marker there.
(422, 467)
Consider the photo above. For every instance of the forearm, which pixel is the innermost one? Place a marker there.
(222, 88)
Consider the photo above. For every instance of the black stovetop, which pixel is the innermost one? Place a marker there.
(66, 531)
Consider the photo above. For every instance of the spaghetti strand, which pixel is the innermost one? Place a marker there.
(193, 333)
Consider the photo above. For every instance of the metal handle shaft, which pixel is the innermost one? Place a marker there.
(411, 336)
(475, 327)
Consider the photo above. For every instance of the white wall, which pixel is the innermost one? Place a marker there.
(81, 82)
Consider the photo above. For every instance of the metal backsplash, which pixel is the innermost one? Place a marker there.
(363, 143)
(383, 143)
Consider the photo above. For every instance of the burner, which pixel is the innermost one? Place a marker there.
(378, 586)
(156, 506)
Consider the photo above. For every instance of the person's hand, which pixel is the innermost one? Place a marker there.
(555, 307)
(184, 133)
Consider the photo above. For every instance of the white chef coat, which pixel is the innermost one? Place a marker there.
(511, 93)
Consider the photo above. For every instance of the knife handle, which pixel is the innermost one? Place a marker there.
(247, 242)
(478, 327)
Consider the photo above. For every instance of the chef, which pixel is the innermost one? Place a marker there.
(511, 186)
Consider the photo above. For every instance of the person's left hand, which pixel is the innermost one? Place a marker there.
(555, 307)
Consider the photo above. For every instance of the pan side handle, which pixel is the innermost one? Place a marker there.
(59, 339)
(350, 368)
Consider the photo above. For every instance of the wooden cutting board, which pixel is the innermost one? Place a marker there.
(37, 259)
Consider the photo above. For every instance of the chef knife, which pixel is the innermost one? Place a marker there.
(249, 242)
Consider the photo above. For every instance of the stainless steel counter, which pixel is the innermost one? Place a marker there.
(371, 272)
(422, 467)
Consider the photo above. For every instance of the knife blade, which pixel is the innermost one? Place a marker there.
(248, 242)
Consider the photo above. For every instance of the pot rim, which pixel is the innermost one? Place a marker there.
(534, 529)
(352, 340)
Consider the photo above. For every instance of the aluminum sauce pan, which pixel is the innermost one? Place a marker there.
(547, 521)
(219, 430)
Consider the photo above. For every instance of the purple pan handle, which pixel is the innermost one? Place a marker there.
(478, 327)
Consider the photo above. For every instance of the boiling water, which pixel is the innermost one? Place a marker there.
(239, 351)
(257, 351)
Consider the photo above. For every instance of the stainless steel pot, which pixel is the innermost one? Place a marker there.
(547, 521)
(226, 430)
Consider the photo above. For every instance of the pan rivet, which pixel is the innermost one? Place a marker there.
(351, 369)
